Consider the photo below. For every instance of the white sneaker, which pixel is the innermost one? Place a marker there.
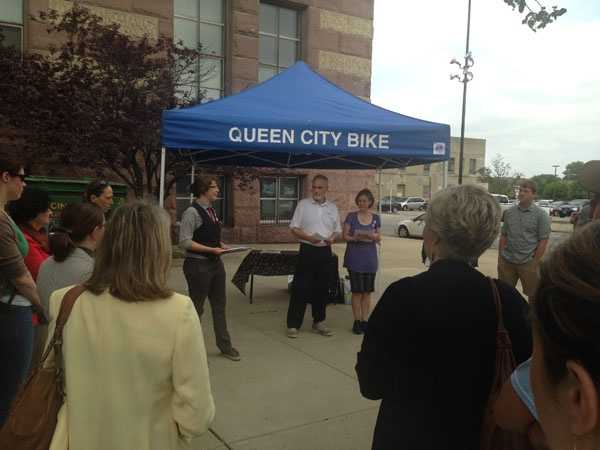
(292, 333)
(320, 328)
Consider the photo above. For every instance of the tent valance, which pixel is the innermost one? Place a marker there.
(298, 119)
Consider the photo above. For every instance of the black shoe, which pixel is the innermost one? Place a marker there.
(356, 328)
(363, 326)
(232, 354)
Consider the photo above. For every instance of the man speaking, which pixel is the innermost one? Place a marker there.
(316, 224)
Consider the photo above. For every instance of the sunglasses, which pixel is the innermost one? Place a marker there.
(20, 175)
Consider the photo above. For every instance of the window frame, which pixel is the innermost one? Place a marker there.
(221, 58)
(278, 68)
(21, 29)
(277, 198)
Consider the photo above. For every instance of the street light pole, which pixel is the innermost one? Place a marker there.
(467, 76)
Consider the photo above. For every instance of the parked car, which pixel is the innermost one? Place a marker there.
(544, 203)
(572, 207)
(503, 200)
(555, 207)
(392, 204)
(411, 227)
(413, 204)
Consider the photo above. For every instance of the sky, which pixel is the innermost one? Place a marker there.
(535, 97)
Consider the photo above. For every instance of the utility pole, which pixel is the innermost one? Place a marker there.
(467, 76)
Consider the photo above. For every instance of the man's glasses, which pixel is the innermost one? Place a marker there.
(20, 175)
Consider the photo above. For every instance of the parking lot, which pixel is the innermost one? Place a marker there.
(561, 228)
(302, 393)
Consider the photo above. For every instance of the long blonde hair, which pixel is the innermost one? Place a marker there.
(134, 257)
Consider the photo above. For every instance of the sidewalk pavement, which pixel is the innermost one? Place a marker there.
(294, 394)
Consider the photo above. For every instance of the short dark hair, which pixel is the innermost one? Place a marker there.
(10, 165)
(528, 184)
(365, 193)
(95, 188)
(201, 185)
(33, 202)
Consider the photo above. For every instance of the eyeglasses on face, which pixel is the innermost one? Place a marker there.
(20, 175)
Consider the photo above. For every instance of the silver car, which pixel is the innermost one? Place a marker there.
(413, 204)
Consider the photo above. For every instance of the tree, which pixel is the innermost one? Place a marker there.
(573, 170)
(96, 100)
(536, 20)
(556, 190)
(498, 176)
(542, 181)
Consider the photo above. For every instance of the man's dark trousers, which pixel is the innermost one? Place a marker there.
(311, 283)
(206, 278)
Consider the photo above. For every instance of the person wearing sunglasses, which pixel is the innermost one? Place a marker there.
(18, 294)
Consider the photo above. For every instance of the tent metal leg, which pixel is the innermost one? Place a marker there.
(161, 194)
(379, 190)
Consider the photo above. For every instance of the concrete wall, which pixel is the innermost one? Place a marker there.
(417, 182)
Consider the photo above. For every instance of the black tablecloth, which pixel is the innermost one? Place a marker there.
(268, 263)
(264, 263)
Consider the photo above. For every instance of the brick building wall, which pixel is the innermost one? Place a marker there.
(334, 38)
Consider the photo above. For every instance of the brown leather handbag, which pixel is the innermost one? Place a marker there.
(492, 436)
(33, 413)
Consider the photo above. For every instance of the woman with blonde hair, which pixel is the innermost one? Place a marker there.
(565, 368)
(134, 357)
(430, 348)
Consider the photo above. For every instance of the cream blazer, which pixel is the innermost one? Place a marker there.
(136, 374)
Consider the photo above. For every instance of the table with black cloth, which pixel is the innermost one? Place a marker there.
(269, 263)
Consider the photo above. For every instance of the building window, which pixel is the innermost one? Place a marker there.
(451, 165)
(202, 22)
(472, 166)
(426, 169)
(401, 190)
(11, 24)
(184, 198)
(278, 199)
(279, 39)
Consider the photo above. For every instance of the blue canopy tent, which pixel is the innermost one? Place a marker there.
(298, 119)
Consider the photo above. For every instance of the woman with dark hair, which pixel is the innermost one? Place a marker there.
(100, 193)
(31, 212)
(73, 245)
(565, 368)
(361, 232)
(18, 294)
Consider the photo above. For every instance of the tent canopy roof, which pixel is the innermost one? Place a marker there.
(298, 119)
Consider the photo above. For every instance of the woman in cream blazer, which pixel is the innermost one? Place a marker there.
(135, 363)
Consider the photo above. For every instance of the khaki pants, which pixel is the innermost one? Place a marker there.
(527, 273)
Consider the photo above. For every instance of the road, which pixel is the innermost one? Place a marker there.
(389, 226)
